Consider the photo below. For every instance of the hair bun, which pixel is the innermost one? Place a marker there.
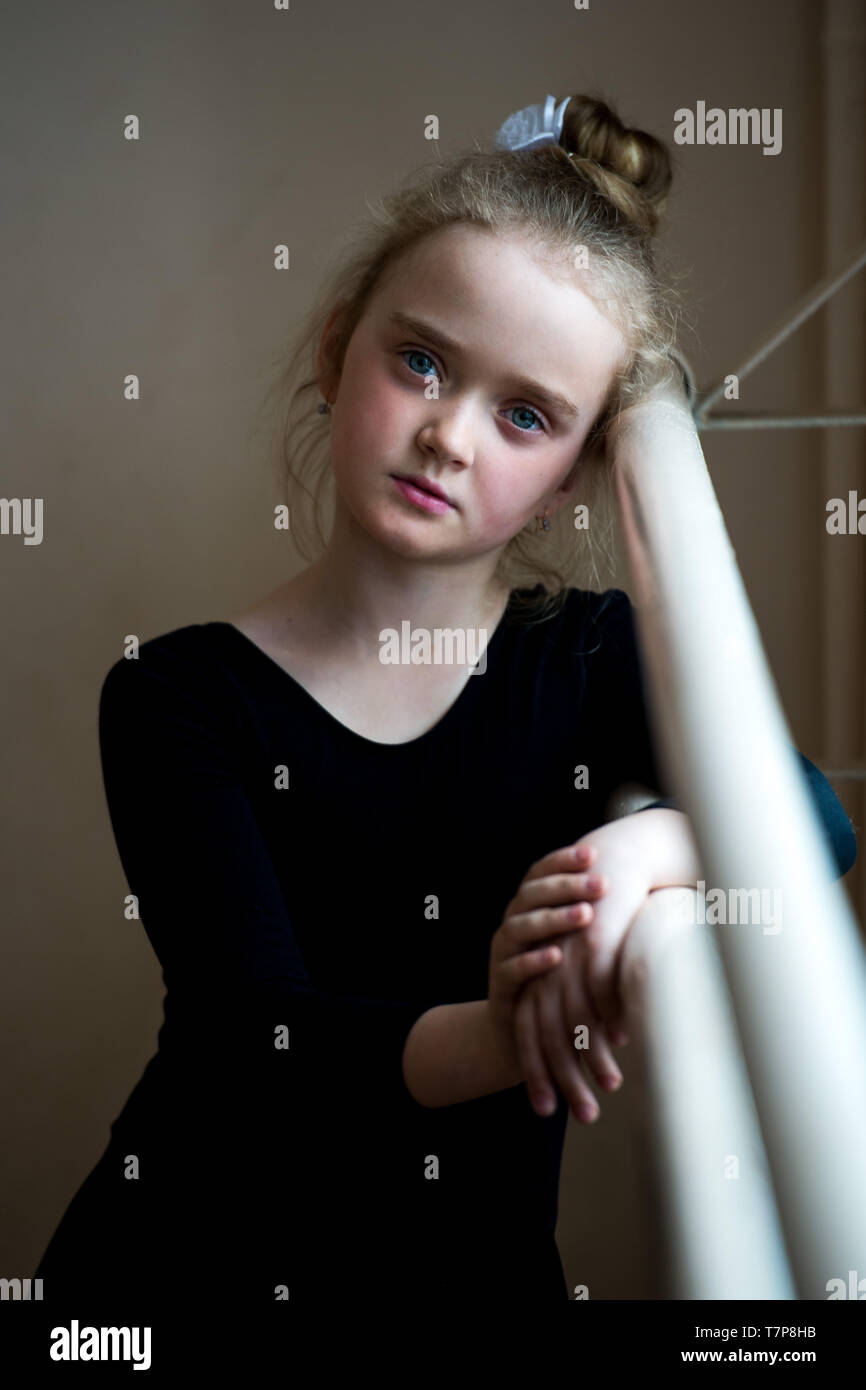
(594, 135)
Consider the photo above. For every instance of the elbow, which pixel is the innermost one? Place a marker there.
(832, 817)
(845, 847)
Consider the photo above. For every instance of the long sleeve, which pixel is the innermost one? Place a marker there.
(172, 745)
(630, 751)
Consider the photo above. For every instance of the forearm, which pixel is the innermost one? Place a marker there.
(454, 1053)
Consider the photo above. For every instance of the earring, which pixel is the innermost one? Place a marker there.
(542, 523)
(324, 408)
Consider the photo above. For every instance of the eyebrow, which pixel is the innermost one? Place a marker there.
(523, 384)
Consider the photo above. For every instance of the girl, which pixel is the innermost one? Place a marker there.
(385, 893)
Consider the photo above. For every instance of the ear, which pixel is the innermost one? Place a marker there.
(328, 378)
(570, 481)
(592, 452)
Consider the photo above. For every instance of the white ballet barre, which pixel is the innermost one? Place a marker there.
(798, 988)
(715, 1225)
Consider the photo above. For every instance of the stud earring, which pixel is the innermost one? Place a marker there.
(542, 523)
(324, 408)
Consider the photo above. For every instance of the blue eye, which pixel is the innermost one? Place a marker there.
(527, 410)
(416, 352)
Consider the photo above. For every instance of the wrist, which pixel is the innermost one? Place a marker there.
(665, 846)
(456, 1052)
(669, 398)
(502, 1045)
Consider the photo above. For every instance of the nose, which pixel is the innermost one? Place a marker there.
(447, 432)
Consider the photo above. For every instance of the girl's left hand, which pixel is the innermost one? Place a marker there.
(583, 988)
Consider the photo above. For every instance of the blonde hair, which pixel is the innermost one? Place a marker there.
(604, 188)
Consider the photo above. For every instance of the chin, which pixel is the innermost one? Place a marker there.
(405, 536)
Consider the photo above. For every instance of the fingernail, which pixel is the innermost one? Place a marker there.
(587, 1113)
(545, 1102)
(612, 1083)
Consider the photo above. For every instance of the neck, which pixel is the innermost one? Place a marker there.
(358, 588)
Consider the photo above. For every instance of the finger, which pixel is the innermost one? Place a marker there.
(619, 1027)
(534, 911)
(568, 857)
(514, 972)
(591, 1045)
(619, 1034)
(619, 1037)
(600, 975)
(538, 1080)
(619, 1031)
(557, 888)
(602, 982)
(524, 929)
(559, 1053)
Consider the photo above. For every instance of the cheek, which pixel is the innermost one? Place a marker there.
(372, 412)
(507, 499)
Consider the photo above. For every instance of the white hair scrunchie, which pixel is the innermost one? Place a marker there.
(533, 126)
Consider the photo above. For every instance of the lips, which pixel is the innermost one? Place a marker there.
(418, 480)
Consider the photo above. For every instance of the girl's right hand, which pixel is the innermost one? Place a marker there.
(552, 900)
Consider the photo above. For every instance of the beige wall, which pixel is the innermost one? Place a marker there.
(156, 258)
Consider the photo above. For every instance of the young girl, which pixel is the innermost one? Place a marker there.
(372, 884)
